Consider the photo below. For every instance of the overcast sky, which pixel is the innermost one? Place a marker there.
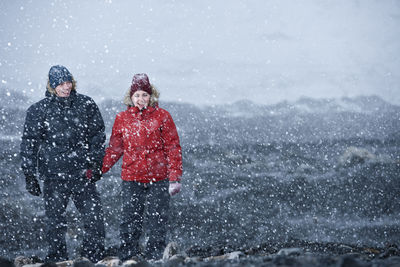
(206, 51)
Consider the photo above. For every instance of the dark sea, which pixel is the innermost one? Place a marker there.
(323, 171)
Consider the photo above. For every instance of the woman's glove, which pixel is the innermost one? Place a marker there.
(32, 185)
(89, 174)
(174, 188)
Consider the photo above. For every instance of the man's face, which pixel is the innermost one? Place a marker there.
(64, 89)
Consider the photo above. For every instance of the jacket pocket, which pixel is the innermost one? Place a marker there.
(157, 164)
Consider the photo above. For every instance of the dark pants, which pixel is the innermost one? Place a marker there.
(134, 198)
(87, 201)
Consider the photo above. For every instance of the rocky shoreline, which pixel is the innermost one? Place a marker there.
(291, 253)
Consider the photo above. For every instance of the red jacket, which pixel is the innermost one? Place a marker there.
(150, 145)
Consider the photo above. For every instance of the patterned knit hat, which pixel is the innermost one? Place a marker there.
(59, 74)
(140, 82)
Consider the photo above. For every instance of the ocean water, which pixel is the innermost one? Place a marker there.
(244, 195)
(239, 196)
(246, 182)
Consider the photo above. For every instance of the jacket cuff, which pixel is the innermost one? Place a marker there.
(174, 178)
(105, 169)
(29, 173)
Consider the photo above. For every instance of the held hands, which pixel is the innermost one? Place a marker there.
(93, 175)
(174, 188)
(32, 185)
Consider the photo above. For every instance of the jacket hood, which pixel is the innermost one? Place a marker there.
(153, 99)
(51, 91)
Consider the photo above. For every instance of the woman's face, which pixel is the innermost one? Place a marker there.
(64, 89)
(140, 99)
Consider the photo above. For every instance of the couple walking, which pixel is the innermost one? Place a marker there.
(63, 145)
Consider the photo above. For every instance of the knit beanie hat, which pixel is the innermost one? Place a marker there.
(140, 81)
(59, 74)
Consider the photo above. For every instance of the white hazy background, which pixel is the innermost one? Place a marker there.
(206, 51)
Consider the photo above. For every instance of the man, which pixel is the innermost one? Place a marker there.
(63, 142)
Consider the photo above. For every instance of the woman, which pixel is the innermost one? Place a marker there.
(146, 136)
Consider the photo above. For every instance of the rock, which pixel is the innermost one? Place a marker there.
(345, 248)
(392, 261)
(175, 260)
(290, 252)
(133, 263)
(70, 263)
(79, 262)
(235, 255)
(229, 256)
(170, 250)
(373, 251)
(21, 261)
(192, 260)
(6, 263)
(129, 263)
(111, 261)
(390, 251)
(350, 261)
(281, 260)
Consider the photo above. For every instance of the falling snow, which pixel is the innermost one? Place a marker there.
(288, 116)
(247, 179)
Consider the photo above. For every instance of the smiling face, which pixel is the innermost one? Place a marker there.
(141, 99)
(64, 89)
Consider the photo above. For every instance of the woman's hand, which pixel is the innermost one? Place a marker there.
(174, 188)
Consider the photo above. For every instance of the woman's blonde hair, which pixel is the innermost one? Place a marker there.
(155, 94)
